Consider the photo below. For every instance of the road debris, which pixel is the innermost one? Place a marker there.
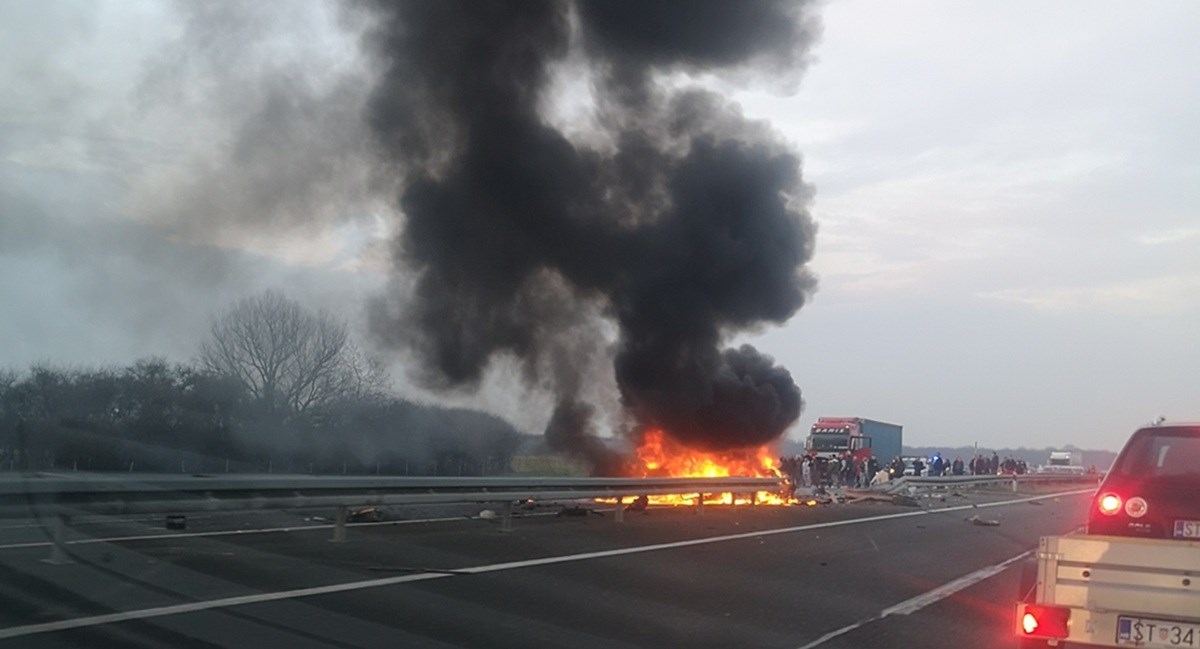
(576, 510)
(366, 515)
(985, 522)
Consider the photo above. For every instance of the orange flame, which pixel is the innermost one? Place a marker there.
(661, 456)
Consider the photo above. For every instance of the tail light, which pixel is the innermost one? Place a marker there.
(1040, 621)
(1136, 507)
(1109, 504)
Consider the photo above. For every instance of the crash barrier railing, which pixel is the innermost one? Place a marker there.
(895, 486)
(61, 496)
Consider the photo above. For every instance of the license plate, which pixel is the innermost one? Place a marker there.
(1143, 632)
(1187, 529)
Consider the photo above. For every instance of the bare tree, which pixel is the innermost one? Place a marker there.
(289, 359)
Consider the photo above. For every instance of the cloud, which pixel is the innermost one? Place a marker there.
(1174, 235)
(1160, 294)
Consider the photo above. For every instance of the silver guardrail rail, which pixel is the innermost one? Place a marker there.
(57, 497)
(160, 494)
(900, 484)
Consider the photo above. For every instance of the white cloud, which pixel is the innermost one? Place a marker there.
(1169, 293)
(1174, 235)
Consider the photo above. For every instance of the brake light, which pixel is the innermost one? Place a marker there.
(1109, 504)
(1045, 621)
(1136, 507)
(1029, 623)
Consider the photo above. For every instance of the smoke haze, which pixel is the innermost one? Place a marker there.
(686, 226)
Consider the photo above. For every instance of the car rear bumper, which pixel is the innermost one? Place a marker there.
(1092, 628)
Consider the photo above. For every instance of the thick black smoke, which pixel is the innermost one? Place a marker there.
(685, 225)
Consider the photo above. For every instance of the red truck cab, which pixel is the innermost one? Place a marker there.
(835, 437)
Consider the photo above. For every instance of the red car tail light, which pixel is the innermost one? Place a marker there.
(1109, 504)
(1136, 507)
(1045, 621)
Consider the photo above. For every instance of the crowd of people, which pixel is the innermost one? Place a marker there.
(846, 471)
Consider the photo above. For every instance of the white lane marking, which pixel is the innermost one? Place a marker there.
(912, 605)
(160, 611)
(265, 530)
(947, 589)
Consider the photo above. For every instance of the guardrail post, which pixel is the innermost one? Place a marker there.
(1014, 481)
(619, 512)
(506, 517)
(58, 553)
(339, 525)
(700, 504)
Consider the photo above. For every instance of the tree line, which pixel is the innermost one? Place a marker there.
(274, 388)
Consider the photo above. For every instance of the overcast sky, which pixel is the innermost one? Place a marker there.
(1007, 195)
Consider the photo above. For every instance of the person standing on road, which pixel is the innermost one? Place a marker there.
(806, 471)
(956, 467)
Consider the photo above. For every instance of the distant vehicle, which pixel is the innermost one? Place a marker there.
(908, 465)
(1064, 463)
(1131, 578)
(1066, 458)
(830, 437)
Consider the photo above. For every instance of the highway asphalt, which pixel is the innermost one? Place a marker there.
(858, 575)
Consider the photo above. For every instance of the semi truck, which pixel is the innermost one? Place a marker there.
(863, 438)
(1066, 458)
(1066, 462)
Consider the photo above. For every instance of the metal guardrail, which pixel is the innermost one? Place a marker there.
(163, 494)
(58, 496)
(900, 484)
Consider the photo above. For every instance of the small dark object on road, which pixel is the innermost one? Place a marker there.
(986, 522)
(639, 504)
(176, 522)
(1036, 502)
(907, 501)
(577, 511)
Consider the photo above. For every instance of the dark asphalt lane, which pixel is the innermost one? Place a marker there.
(758, 590)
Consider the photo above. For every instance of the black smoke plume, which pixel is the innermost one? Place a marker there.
(677, 219)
